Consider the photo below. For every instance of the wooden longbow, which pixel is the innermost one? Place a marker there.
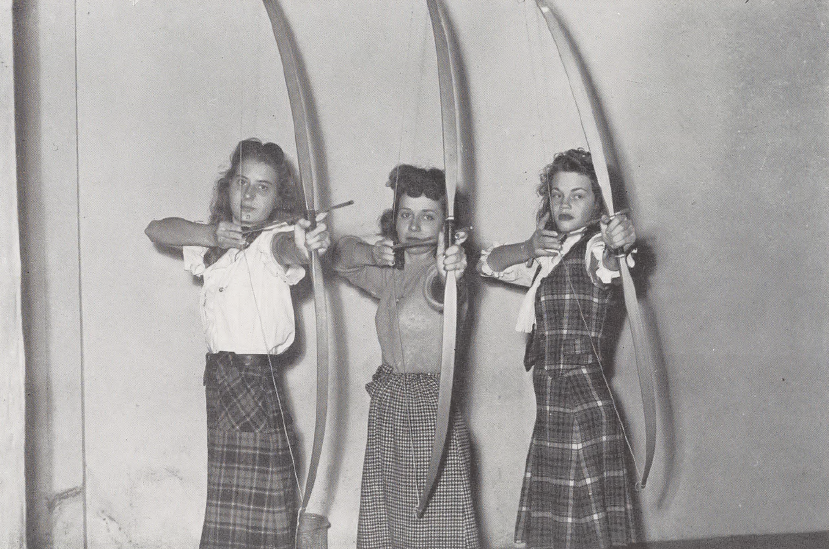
(452, 151)
(596, 133)
(305, 159)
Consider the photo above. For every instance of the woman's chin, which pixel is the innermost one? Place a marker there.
(569, 226)
(249, 221)
(419, 251)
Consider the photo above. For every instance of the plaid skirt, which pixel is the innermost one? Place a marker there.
(401, 426)
(576, 491)
(251, 480)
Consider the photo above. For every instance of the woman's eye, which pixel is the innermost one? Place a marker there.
(263, 188)
(429, 217)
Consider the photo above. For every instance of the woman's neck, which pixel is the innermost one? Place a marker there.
(421, 258)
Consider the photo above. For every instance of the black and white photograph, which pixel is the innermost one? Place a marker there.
(414, 274)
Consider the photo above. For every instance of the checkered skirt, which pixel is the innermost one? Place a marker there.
(251, 481)
(401, 427)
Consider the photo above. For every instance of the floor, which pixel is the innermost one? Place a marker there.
(814, 540)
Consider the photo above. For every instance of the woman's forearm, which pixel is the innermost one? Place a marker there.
(175, 231)
(351, 252)
(610, 261)
(286, 251)
(508, 255)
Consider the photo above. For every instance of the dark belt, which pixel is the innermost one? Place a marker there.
(239, 361)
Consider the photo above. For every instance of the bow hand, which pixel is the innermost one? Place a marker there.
(308, 240)
(452, 258)
(618, 232)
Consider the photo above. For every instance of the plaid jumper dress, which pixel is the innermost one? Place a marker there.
(576, 491)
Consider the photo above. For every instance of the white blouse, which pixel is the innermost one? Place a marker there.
(245, 304)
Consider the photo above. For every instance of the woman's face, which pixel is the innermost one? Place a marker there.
(419, 219)
(572, 200)
(253, 193)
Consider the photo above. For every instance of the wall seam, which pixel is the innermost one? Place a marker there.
(84, 485)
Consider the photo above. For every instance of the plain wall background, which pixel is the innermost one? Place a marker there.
(12, 359)
(128, 110)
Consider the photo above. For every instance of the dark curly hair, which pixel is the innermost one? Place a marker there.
(575, 161)
(414, 182)
(253, 150)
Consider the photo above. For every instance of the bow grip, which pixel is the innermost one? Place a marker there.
(449, 232)
(312, 217)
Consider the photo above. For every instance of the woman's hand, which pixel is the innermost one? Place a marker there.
(543, 242)
(452, 258)
(382, 252)
(229, 235)
(318, 239)
(618, 232)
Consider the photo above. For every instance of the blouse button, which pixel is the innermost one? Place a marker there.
(221, 289)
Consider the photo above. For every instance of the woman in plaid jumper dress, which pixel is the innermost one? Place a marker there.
(576, 491)
(404, 390)
(248, 319)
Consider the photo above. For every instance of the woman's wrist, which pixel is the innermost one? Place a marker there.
(610, 259)
(365, 253)
(527, 250)
(212, 237)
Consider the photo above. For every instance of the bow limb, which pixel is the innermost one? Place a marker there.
(451, 153)
(597, 135)
(302, 134)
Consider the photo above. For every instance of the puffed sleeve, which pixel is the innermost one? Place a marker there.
(194, 259)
